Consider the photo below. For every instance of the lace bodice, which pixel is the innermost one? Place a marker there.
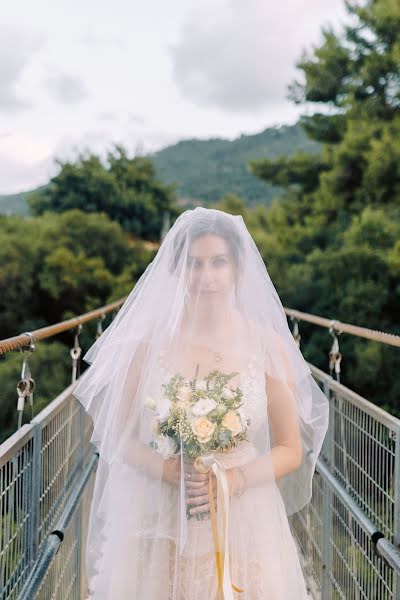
(252, 382)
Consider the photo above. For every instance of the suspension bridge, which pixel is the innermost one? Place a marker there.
(348, 536)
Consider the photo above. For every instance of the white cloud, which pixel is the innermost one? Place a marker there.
(240, 56)
(138, 119)
(67, 89)
(25, 162)
(201, 69)
(107, 116)
(95, 40)
(17, 48)
(22, 148)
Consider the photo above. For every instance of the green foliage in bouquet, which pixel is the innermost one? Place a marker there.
(203, 415)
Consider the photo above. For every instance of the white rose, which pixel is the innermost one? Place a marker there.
(201, 384)
(189, 412)
(204, 406)
(227, 393)
(166, 446)
(164, 409)
(150, 403)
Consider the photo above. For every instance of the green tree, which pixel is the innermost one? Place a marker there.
(59, 265)
(331, 242)
(54, 267)
(125, 188)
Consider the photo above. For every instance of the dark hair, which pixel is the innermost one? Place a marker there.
(211, 222)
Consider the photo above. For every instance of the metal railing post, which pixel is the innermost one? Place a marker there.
(396, 521)
(35, 492)
(327, 498)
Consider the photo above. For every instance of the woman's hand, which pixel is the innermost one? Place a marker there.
(172, 470)
(196, 485)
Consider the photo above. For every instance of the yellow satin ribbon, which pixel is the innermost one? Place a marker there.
(220, 553)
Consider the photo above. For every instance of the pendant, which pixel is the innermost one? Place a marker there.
(217, 357)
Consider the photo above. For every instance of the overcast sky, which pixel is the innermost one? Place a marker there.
(88, 73)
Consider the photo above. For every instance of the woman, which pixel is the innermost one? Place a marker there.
(208, 425)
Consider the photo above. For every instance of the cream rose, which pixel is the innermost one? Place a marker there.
(232, 422)
(184, 394)
(203, 429)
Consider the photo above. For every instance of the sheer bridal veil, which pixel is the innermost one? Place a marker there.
(198, 362)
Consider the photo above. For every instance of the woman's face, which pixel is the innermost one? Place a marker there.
(210, 268)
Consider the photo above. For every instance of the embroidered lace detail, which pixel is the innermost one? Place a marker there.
(252, 382)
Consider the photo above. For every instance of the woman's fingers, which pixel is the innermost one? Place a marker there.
(194, 485)
(200, 503)
(195, 476)
(201, 490)
(191, 473)
(197, 500)
(197, 485)
(204, 508)
(197, 489)
(200, 509)
(190, 468)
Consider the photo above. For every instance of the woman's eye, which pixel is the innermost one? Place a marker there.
(219, 262)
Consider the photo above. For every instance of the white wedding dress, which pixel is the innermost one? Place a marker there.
(263, 555)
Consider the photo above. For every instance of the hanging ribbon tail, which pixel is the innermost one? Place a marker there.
(183, 520)
(220, 530)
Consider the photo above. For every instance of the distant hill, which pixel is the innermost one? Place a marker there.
(16, 204)
(13, 204)
(206, 170)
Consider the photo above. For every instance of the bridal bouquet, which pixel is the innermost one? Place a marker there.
(205, 414)
(202, 416)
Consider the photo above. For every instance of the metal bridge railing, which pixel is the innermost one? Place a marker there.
(39, 467)
(61, 567)
(349, 533)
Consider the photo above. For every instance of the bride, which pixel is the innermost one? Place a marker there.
(208, 425)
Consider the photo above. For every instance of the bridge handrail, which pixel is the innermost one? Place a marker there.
(20, 341)
(370, 334)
